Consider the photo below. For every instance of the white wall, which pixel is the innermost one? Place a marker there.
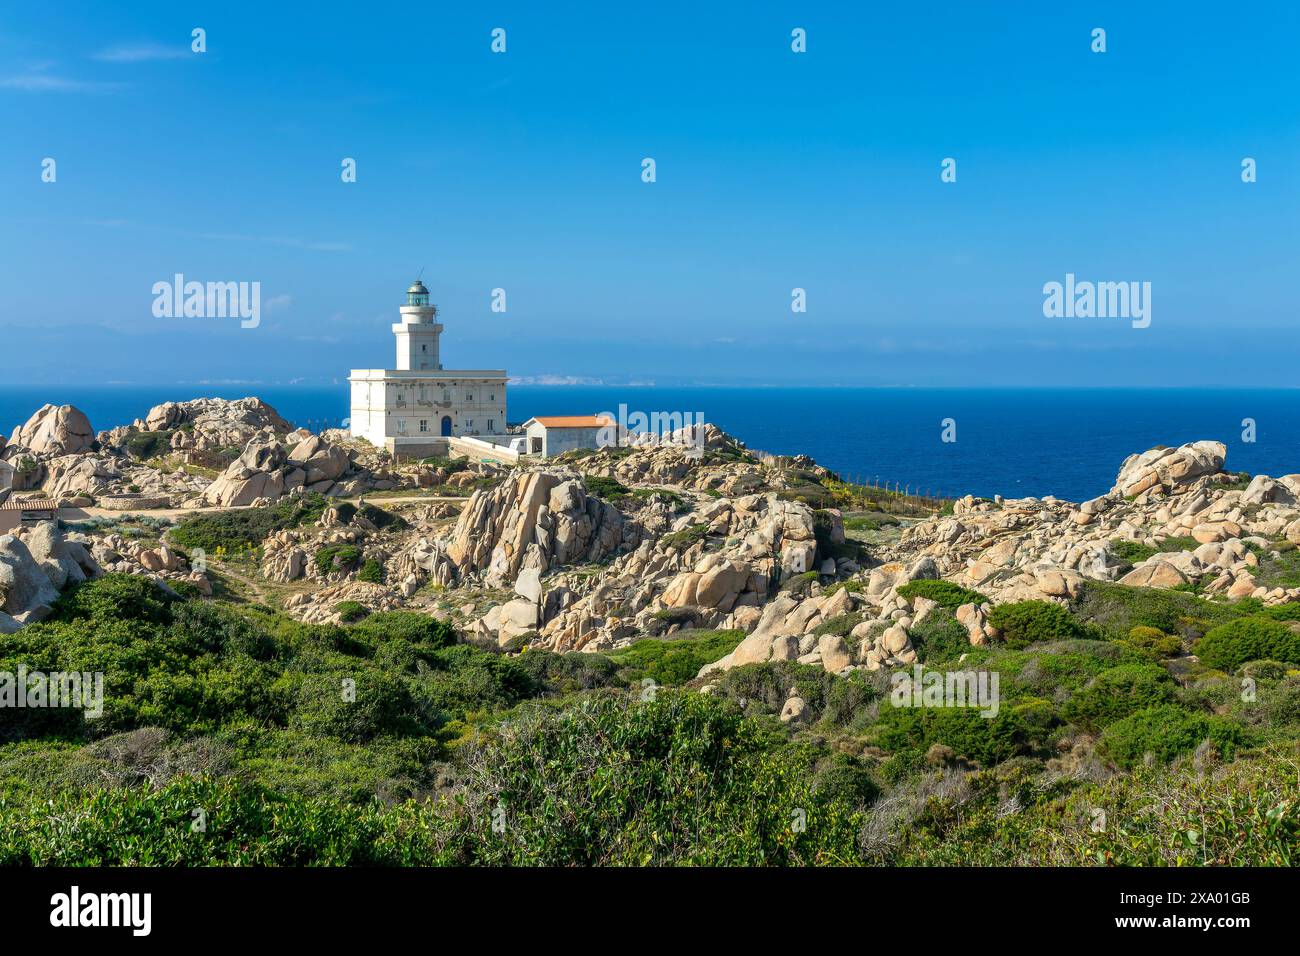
(556, 441)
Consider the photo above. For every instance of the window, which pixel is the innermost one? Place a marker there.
(492, 425)
(424, 348)
(469, 398)
(424, 424)
(401, 425)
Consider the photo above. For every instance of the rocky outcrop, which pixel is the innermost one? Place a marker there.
(55, 430)
(34, 569)
(258, 473)
(321, 607)
(422, 562)
(26, 591)
(538, 518)
(1169, 468)
(206, 425)
(267, 471)
(122, 555)
(1027, 548)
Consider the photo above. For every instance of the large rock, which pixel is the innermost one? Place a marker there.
(1167, 468)
(56, 430)
(257, 473)
(1155, 573)
(835, 653)
(64, 562)
(1059, 582)
(25, 588)
(545, 509)
(320, 460)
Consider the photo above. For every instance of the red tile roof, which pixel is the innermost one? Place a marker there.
(33, 504)
(573, 421)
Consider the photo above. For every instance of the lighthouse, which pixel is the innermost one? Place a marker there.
(414, 407)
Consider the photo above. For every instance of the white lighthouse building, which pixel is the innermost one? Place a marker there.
(412, 409)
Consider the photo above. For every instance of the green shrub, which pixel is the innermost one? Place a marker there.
(245, 528)
(1032, 622)
(970, 735)
(461, 679)
(382, 519)
(247, 826)
(115, 596)
(940, 637)
(1160, 643)
(148, 444)
(677, 660)
(349, 611)
(681, 540)
(1282, 612)
(337, 557)
(569, 673)
(1118, 692)
(611, 489)
(357, 706)
(409, 626)
(680, 779)
(842, 779)
(948, 595)
(371, 571)
(1116, 609)
(1230, 645)
(1131, 552)
(1166, 731)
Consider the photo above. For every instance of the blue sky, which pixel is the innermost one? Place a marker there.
(775, 170)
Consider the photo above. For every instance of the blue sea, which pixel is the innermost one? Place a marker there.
(1013, 442)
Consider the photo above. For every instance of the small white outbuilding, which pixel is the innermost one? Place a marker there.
(551, 435)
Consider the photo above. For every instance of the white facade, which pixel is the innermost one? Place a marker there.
(419, 401)
(553, 435)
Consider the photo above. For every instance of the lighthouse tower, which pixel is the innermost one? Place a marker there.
(418, 331)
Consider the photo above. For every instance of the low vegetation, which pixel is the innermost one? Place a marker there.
(387, 741)
(245, 528)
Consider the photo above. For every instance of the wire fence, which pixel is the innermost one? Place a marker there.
(865, 492)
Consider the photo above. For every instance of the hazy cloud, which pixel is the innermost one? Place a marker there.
(140, 53)
(53, 83)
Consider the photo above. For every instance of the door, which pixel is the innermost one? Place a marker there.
(446, 425)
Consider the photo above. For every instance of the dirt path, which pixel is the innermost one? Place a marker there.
(258, 592)
(93, 512)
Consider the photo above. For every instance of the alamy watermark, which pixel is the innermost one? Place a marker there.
(209, 300)
(1102, 300)
(932, 688)
(133, 911)
(657, 429)
(83, 690)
